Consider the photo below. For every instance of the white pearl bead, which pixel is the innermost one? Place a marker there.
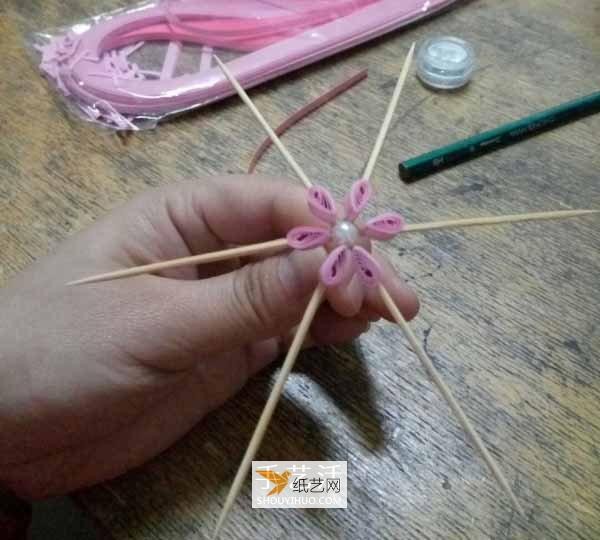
(345, 233)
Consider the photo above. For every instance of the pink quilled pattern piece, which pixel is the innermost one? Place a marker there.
(343, 237)
(322, 205)
(308, 237)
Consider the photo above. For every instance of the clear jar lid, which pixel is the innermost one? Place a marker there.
(445, 63)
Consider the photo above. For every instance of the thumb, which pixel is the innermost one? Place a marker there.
(258, 301)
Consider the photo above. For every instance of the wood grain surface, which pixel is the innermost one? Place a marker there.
(509, 314)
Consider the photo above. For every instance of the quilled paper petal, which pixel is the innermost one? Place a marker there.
(368, 268)
(385, 226)
(308, 237)
(358, 198)
(321, 204)
(338, 267)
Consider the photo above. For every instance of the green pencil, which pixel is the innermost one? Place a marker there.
(425, 164)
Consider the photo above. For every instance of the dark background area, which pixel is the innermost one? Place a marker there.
(61, 519)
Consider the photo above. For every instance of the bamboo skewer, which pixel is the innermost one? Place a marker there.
(276, 140)
(447, 394)
(385, 126)
(204, 258)
(269, 409)
(256, 249)
(497, 220)
(281, 243)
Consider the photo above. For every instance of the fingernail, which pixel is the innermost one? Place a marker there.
(298, 273)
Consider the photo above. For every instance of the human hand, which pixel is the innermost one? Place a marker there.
(97, 379)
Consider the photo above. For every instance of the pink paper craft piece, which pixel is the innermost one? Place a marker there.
(322, 205)
(358, 198)
(344, 237)
(368, 268)
(384, 227)
(278, 36)
(308, 237)
(338, 268)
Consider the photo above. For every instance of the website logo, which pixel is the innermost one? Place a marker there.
(299, 484)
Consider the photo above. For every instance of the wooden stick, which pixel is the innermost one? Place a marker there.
(269, 409)
(445, 391)
(276, 140)
(497, 220)
(256, 249)
(385, 126)
(204, 258)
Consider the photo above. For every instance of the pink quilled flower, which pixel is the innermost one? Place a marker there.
(343, 237)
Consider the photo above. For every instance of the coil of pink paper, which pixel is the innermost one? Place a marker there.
(92, 64)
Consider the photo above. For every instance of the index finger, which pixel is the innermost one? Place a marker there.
(243, 209)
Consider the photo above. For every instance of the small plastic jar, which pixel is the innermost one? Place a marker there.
(445, 62)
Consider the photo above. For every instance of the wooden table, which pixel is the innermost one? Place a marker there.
(510, 314)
